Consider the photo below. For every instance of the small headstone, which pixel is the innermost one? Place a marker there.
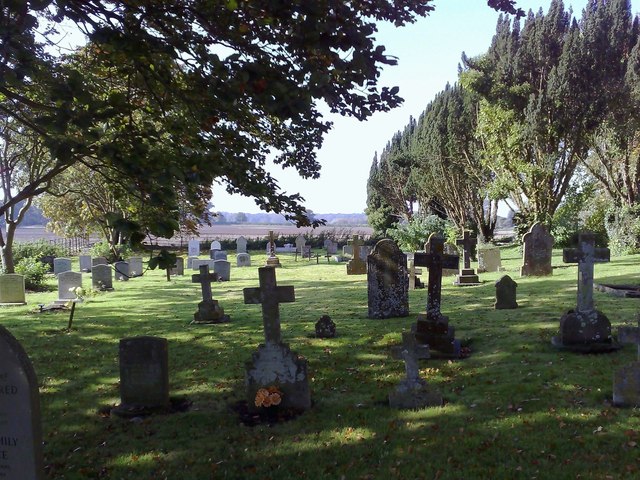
(274, 364)
(48, 260)
(241, 245)
(387, 281)
(412, 392)
(67, 283)
(190, 261)
(12, 292)
(467, 275)
(272, 259)
(626, 381)
(325, 327)
(489, 258)
(122, 271)
(219, 255)
(223, 269)
(243, 260)
(85, 263)
(144, 376)
(537, 248)
(21, 441)
(196, 263)
(99, 261)
(215, 245)
(194, 248)
(330, 246)
(209, 310)
(506, 293)
(356, 266)
(135, 266)
(300, 243)
(102, 277)
(178, 269)
(61, 264)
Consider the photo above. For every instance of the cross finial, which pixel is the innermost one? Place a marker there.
(410, 351)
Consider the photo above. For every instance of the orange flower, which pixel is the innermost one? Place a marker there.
(266, 402)
(275, 399)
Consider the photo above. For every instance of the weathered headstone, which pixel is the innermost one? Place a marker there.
(223, 269)
(537, 248)
(272, 259)
(48, 261)
(626, 381)
(241, 245)
(506, 293)
(21, 440)
(356, 265)
(135, 266)
(12, 292)
(219, 255)
(467, 275)
(325, 327)
(178, 269)
(122, 271)
(102, 277)
(387, 281)
(274, 364)
(196, 263)
(330, 246)
(194, 248)
(488, 258)
(61, 264)
(412, 392)
(190, 261)
(67, 283)
(584, 328)
(85, 263)
(99, 261)
(215, 245)
(414, 279)
(209, 310)
(301, 242)
(433, 328)
(243, 260)
(144, 376)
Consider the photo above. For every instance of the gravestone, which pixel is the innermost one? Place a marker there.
(414, 279)
(241, 245)
(85, 263)
(219, 255)
(99, 261)
(122, 271)
(626, 381)
(537, 245)
(61, 264)
(433, 328)
(144, 376)
(178, 268)
(274, 364)
(356, 265)
(194, 248)
(387, 281)
(135, 266)
(223, 269)
(506, 293)
(300, 243)
(412, 392)
(272, 259)
(48, 261)
(12, 292)
(330, 246)
(585, 329)
(325, 327)
(67, 283)
(243, 260)
(215, 245)
(102, 277)
(209, 310)
(489, 258)
(21, 441)
(196, 263)
(190, 261)
(467, 275)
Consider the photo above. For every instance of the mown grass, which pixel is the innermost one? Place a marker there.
(516, 408)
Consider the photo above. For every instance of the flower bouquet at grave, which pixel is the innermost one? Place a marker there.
(268, 397)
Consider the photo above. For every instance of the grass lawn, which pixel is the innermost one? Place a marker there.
(516, 408)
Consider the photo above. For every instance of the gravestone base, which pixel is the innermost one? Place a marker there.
(626, 386)
(439, 335)
(209, 311)
(12, 304)
(273, 262)
(356, 267)
(414, 394)
(585, 332)
(275, 365)
(466, 277)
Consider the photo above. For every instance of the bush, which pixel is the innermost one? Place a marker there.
(103, 249)
(413, 235)
(34, 272)
(37, 249)
(623, 228)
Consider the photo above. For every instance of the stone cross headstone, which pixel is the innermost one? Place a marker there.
(537, 248)
(412, 392)
(387, 281)
(99, 261)
(467, 275)
(272, 259)
(194, 248)
(585, 328)
(122, 271)
(102, 277)
(67, 283)
(209, 310)
(506, 293)
(356, 265)
(20, 424)
(223, 269)
(135, 266)
(61, 264)
(144, 376)
(241, 245)
(274, 364)
(626, 381)
(85, 263)
(325, 327)
(178, 269)
(433, 327)
(243, 260)
(300, 243)
(12, 291)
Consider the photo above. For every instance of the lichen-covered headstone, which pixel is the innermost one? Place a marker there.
(12, 291)
(387, 281)
(102, 277)
(325, 327)
(506, 293)
(537, 248)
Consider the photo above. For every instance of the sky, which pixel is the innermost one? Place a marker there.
(428, 52)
